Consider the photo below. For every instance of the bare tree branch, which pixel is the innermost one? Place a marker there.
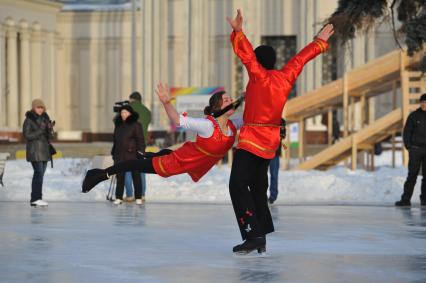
(393, 24)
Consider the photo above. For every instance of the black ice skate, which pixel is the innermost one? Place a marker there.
(92, 178)
(250, 245)
(403, 203)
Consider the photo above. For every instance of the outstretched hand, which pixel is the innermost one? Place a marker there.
(326, 32)
(163, 92)
(237, 23)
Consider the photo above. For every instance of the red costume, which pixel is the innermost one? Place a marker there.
(266, 95)
(196, 158)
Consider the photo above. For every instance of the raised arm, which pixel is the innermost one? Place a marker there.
(200, 126)
(163, 94)
(243, 48)
(293, 68)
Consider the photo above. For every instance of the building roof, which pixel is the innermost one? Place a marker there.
(91, 5)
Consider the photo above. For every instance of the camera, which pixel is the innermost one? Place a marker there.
(117, 105)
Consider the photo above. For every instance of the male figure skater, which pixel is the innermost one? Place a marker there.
(266, 95)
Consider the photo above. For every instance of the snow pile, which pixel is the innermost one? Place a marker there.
(336, 186)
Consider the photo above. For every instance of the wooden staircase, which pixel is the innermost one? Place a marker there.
(385, 74)
(365, 139)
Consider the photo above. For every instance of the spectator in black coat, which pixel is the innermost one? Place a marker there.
(128, 140)
(415, 142)
(38, 130)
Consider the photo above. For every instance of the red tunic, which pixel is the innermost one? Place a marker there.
(266, 95)
(196, 158)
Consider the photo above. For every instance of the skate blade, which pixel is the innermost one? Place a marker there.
(251, 254)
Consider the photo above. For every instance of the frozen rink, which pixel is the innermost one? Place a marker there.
(165, 242)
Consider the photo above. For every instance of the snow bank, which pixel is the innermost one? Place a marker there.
(336, 186)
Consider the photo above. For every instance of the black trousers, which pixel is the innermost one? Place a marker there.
(142, 165)
(248, 187)
(37, 182)
(136, 176)
(417, 159)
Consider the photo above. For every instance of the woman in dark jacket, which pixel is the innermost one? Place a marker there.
(38, 130)
(128, 140)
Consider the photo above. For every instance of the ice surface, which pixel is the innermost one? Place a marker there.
(186, 231)
(336, 186)
(164, 242)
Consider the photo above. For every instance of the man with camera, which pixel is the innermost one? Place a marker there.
(415, 142)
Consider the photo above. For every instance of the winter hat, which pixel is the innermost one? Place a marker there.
(266, 56)
(128, 108)
(38, 103)
(423, 97)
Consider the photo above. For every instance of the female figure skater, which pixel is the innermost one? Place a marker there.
(215, 136)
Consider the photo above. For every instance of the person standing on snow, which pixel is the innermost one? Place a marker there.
(128, 141)
(38, 131)
(415, 142)
(135, 100)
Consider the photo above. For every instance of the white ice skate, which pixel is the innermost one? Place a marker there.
(39, 202)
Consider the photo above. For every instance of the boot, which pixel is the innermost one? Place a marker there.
(92, 178)
(406, 196)
(249, 245)
(403, 202)
(39, 202)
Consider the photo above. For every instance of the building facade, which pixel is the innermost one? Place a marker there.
(77, 56)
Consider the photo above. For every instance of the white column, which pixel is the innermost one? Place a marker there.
(196, 40)
(139, 55)
(134, 46)
(156, 59)
(50, 75)
(188, 38)
(205, 67)
(12, 76)
(199, 43)
(62, 105)
(24, 70)
(94, 90)
(146, 15)
(36, 61)
(155, 46)
(2, 77)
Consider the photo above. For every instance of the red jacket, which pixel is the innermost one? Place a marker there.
(196, 158)
(266, 95)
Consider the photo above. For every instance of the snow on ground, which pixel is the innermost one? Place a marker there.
(336, 186)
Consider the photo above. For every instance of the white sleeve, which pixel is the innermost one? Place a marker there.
(201, 126)
(237, 121)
